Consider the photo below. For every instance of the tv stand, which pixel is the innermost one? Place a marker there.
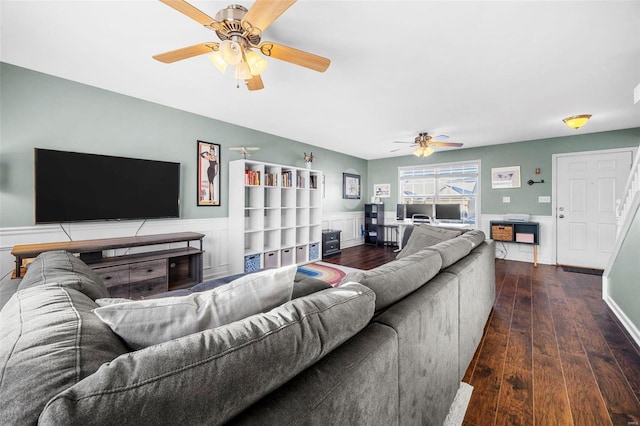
(134, 275)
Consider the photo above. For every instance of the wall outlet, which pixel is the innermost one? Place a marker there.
(506, 199)
(544, 199)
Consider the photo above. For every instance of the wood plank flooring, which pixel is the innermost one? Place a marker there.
(552, 352)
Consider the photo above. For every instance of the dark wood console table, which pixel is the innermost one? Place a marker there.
(131, 275)
(517, 232)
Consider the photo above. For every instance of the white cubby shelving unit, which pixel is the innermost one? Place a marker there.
(275, 215)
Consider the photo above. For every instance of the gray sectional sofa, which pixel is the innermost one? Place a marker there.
(389, 346)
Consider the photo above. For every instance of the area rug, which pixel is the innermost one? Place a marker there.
(327, 272)
(589, 271)
(459, 407)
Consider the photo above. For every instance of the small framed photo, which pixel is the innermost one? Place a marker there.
(350, 186)
(208, 174)
(505, 177)
(382, 190)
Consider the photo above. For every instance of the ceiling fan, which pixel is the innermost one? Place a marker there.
(240, 31)
(425, 143)
(244, 150)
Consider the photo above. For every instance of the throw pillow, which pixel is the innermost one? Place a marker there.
(149, 322)
(424, 236)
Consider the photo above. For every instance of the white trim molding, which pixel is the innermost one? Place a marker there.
(619, 313)
(350, 223)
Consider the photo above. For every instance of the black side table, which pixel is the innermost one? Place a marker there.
(330, 242)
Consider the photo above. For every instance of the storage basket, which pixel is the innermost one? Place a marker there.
(502, 232)
(252, 263)
(314, 251)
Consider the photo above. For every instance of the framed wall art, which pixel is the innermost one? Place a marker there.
(382, 190)
(208, 174)
(505, 177)
(350, 186)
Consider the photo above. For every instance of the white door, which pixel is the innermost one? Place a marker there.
(587, 187)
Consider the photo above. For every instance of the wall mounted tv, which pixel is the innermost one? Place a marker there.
(72, 186)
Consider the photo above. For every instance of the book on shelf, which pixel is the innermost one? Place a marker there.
(252, 177)
(271, 179)
(287, 178)
(313, 180)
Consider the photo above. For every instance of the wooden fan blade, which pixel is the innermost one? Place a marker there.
(255, 83)
(402, 142)
(295, 56)
(445, 144)
(190, 11)
(264, 12)
(186, 52)
(440, 138)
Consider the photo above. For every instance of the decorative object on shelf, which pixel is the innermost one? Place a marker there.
(208, 174)
(240, 31)
(505, 177)
(382, 190)
(244, 150)
(350, 186)
(576, 121)
(425, 143)
(308, 159)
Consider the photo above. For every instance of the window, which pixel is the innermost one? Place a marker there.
(438, 184)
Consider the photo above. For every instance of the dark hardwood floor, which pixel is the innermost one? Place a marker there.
(552, 352)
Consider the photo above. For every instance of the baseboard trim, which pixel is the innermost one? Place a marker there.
(623, 318)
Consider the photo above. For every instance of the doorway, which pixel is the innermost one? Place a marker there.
(587, 186)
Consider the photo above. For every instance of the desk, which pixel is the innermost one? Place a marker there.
(402, 224)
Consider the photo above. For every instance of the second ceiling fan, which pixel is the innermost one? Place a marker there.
(240, 31)
(424, 144)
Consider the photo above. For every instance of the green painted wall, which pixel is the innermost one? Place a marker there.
(38, 110)
(528, 155)
(624, 286)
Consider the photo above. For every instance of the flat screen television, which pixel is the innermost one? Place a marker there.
(447, 212)
(73, 186)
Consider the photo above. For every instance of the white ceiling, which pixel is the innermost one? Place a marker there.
(482, 72)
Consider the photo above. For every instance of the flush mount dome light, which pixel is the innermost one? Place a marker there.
(577, 121)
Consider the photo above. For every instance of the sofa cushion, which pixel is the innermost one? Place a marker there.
(65, 269)
(49, 340)
(209, 377)
(143, 323)
(452, 250)
(394, 280)
(476, 237)
(424, 236)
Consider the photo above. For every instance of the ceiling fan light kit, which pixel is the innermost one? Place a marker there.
(425, 143)
(576, 121)
(240, 31)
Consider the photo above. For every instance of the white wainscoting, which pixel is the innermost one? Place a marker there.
(524, 252)
(350, 223)
(215, 243)
(215, 259)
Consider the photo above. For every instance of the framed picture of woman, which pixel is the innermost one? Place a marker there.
(208, 174)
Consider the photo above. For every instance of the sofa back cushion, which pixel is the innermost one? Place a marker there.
(66, 270)
(209, 377)
(475, 236)
(49, 340)
(423, 236)
(394, 280)
(452, 250)
(143, 323)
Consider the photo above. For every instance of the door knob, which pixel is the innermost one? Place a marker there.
(561, 216)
